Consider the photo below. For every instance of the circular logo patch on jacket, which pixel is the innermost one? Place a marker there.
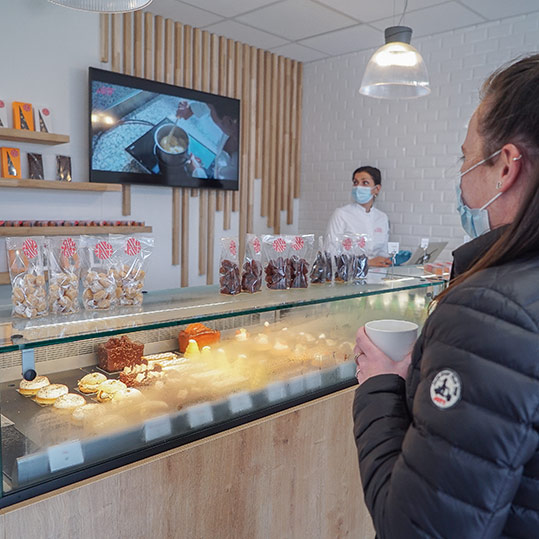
(445, 389)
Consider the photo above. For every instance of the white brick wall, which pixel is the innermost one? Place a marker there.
(414, 143)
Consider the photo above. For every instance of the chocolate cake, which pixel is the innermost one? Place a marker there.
(118, 353)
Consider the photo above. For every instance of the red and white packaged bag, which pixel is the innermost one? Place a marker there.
(344, 257)
(98, 274)
(301, 253)
(251, 274)
(27, 275)
(275, 252)
(229, 269)
(131, 256)
(63, 255)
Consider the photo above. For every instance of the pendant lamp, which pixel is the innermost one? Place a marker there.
(396, 70)
(103, 6)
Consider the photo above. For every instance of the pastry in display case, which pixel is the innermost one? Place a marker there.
(114, 387)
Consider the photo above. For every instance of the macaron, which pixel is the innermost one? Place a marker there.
(31, 387)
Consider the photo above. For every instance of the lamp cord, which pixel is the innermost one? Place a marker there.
(404, 11)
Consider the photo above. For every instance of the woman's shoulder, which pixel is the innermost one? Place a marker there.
(511, 289)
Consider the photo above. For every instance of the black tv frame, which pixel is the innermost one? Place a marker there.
(135, 178)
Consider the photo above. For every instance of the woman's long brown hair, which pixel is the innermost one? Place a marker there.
(509, 113)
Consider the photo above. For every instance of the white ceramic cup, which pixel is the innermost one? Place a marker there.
(394, 337)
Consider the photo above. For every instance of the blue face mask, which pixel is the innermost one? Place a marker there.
(362, 194)
(475, 221)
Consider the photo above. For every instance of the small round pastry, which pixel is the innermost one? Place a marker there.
(106, 389)
(280, 348)
(49, 394)
(262, 342)
(206, 353)
(124, 395)
(241, 335)
(90, 382)
(31, 387)
(85, 412)
(68, 402)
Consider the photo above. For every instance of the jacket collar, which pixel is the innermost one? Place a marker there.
(466, 255)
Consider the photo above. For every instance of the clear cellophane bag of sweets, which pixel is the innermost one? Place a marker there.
(301, 252)
(322, 266)
(27, 275)
(343, 257)
(252, 271)
(229, 269)
(131, 257)
(98, 273)
(63, 255)
(360, 262)
(275, 252)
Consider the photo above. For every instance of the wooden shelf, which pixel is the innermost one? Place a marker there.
(63, 186)
(36, 137)
(70, 230)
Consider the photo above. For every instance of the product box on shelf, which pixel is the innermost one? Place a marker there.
(23, 117)
(3, 114)
(10, 159)
(43, 119)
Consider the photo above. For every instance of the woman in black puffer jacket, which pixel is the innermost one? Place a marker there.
(448, 440)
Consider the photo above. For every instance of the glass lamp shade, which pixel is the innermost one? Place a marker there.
(103, 6)
(395, 71)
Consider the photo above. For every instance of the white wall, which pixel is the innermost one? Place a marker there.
(414, 143)
(45, 52)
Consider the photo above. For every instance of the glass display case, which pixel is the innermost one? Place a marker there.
(261, 353)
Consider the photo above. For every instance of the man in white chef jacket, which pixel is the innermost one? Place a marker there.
(361, 217)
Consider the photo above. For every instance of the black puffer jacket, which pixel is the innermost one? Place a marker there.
(453, 452)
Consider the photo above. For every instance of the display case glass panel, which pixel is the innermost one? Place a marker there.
(276, 349)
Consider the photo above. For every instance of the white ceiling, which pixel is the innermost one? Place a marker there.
(309, 30)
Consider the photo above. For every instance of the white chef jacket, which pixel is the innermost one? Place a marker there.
(354, 219)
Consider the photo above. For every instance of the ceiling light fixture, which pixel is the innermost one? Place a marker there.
(103, 6)
(396, 70)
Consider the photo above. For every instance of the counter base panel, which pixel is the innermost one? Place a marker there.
(292, 474)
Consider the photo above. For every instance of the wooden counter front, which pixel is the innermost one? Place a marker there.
(293, 475)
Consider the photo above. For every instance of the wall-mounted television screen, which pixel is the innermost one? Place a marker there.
(147, 132)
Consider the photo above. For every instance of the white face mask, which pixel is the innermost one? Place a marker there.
(475, 221)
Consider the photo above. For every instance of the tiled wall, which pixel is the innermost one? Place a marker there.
(415, 143)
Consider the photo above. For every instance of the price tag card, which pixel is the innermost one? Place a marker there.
(275, 391)
(392, 247)
(239, 402)
(200, 414)
(158, 427)
(313, 380)
(65, 455)
(296, 385)
(424, 243)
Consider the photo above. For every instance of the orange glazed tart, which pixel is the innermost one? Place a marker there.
(203, 335)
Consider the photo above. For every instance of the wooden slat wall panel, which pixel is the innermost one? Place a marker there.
(128, 43)
(104, 33)
(297, 155)
(266, 137)
(138, 44)
(251, 156)
(187, 61)
(293, 141)
(270, 88)
(273, 140)
(231, 92)
(245, 85)
(288, 142)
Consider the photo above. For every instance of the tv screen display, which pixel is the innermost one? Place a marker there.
(147, 132)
